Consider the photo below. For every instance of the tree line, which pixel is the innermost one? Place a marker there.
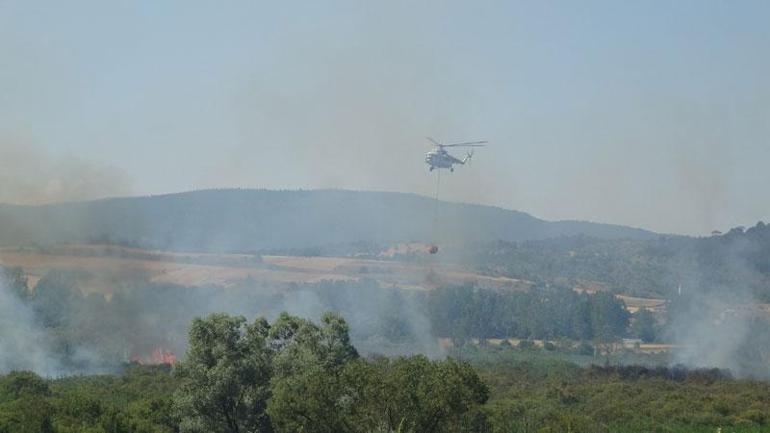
(291, 375)
(142, 315)
(735, 264)
(548, 313)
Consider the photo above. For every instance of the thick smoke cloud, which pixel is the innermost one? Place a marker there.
(61, 329)
(23, 344)
(711, 335)
(30, 176)
(716, 321)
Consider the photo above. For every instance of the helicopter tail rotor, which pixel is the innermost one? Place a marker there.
(468, 157)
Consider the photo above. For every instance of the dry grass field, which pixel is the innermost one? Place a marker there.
(105, 263)
(633, 304)
(106, 267)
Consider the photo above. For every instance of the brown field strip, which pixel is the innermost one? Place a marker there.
(232, 269)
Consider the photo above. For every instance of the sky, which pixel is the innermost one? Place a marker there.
(651, 114)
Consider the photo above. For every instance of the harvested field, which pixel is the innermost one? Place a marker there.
(226, 270)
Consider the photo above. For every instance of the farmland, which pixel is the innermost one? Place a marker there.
(227, 270)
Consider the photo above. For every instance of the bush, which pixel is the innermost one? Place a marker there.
(526, 345)
(585, 349)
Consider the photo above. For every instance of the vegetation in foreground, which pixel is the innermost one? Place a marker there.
(293, 375)
(562, 397)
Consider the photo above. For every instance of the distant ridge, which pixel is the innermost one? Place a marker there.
(252, 220)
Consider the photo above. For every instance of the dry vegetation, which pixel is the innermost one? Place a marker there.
(107, 266)
(225, 270)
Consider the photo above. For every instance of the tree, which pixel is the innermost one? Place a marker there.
(310, 393)
(418, 395)
(608, 317)
(296, 376)
(55, 298)
(25, 408)
(225, 377)
(20, 384)
(644, 325)
(15, 280)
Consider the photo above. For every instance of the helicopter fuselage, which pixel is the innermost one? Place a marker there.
(440, 158)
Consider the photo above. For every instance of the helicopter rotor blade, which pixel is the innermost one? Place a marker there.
(434, 141)
(464, 145)
(467, 144)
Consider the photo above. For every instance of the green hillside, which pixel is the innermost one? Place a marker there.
(249, 220)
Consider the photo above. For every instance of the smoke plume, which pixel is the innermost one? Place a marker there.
(715, 318)
(30, 176)
(23, 345)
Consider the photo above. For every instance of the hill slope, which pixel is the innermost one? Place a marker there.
(245, 220)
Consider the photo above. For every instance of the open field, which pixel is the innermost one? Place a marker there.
(650, 348)
(633, 304)
(107, 266)
(226, 270)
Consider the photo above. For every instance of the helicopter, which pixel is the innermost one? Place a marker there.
(440, 158)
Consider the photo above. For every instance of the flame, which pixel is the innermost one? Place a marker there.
(158, 355)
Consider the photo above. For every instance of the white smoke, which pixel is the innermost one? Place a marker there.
(711, 335)
(23, 345)
(715, 322)
(29, 175)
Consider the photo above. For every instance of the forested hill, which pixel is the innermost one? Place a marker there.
(734, 266)
(249, 220)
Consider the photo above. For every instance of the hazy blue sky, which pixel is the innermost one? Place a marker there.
(652, 114)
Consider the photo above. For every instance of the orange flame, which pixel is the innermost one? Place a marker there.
(158, 356)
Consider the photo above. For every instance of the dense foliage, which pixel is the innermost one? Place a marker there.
(293, 375)
(560, 397)
(138, 400)
(548, 313)
(735, 264)
(524, 392)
